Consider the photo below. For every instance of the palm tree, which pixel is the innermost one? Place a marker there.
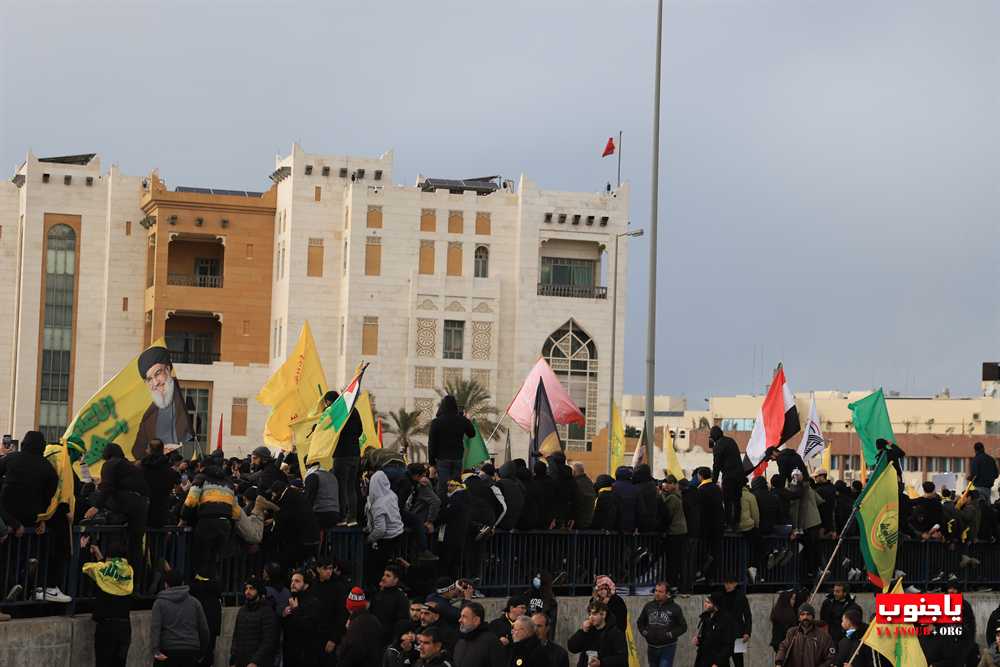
(406, 425)
(477, 403)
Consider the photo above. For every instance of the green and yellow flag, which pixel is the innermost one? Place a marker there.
(323, 443)
(475, 450)
(616, 439)
(302, 430)
(878, 520)
(292, 390)
(115, 410)
(369, 434)
(58, 458)
(897, 642)
(870, 417)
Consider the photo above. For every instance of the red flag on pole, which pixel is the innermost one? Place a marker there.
(218, 446)
(609, 149)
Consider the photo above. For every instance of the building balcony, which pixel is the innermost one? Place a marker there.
(194, 280)
(193, 357)
(573, 291)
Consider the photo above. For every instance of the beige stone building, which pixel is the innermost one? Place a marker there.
(438, 281)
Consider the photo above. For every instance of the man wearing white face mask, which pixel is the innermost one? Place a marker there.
(542, 600)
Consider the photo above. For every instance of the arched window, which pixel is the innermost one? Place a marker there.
(572, 354)
(482, 257)
(57, 338)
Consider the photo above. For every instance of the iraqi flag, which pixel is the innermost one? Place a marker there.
(777, 422)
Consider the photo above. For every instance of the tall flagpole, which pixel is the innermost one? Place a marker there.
(619, 158)
(654, 186)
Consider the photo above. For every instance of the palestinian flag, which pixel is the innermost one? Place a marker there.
(776, 423)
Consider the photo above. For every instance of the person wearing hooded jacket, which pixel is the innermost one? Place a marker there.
(384, 523)
(727, 461)
(212, 507)
(661, 622)
(446, 442)
(530, 518)
(836, 604)
(542, 599)
(734, 602)
(628, 495)
(565, 497)
(123, 490)
(585, 497)
(607, 506)
(29, 483)
(179, 632)
(647, 505)
(161, 479)
(767, 505)
(297, 530)
(716, 634)
(852, 629)
(544, 490)
(513, 495)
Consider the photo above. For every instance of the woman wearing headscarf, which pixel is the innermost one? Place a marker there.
(604, 591)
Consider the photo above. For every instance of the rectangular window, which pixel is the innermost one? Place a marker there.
(373, 256)
(199, 399)
(369, 336)
(128, 228)
(314, 259)
(455, 222)
(238, 417)
(375, 217)
(426, 258)
(454, 259)
(124, 304)
(568, 272)
(454, 339)
(317, 193)
(483, 223)
(912, 463)
(249, 251)
(428, 220)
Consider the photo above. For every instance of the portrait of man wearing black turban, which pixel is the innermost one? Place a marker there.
(166, 418)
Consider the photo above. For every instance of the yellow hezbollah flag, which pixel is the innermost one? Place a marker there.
(616, 439)
(633, 650)
(116, 409)
(896, 641)
(303, 427)
(369, 436)
(292, 390)
(114, 576)
(58, 456)
(334, 418)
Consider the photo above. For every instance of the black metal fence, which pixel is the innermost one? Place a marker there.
(505, 562)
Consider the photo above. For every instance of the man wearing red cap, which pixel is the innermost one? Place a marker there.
(362, 645)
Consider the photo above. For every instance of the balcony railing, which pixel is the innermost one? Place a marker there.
(186, 357)
(574, 291)
(186, 280)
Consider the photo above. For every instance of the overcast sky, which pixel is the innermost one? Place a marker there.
(829, 179)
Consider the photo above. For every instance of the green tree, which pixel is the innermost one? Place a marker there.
(475, 400)
(406, 425)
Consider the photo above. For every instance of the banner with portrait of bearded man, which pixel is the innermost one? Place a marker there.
(141, 403)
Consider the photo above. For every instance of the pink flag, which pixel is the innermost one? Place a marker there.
(522, 408)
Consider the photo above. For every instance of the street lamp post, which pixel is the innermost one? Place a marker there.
(614, 335)
(654, 204)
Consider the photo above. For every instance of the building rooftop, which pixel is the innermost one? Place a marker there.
(82, 159)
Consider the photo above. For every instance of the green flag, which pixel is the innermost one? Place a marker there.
(878, 519)
(871, 421)
(475, 450)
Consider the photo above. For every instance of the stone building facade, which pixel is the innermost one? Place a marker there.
(436, 282)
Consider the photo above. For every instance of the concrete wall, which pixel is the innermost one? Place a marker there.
(68, 641)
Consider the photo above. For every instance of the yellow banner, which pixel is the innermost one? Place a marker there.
(292, 390)
(369, 435)
(113, 414)
(616, 439)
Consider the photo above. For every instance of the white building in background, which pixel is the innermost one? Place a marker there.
(435, 282)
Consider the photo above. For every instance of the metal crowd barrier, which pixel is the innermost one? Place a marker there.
(502, 563)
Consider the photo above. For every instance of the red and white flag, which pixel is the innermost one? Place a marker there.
(609, 148)
(522, 408)
(777, 421)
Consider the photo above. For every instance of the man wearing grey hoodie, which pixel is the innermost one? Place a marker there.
(179, 630)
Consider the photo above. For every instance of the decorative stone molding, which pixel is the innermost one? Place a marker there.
(427, 304)
(424, 377)
(482, 307)
(452, 376)
(426, 337)
(455, 307)
(481, 376)
(482, 340)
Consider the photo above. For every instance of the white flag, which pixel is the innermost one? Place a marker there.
(813, 444)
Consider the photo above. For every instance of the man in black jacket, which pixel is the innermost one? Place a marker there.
(123, 490)
(562, 475)
(726, 459)
(837, 602)
(301, 644)
(734, 602)
(297, 530)
(628, 495)
(29, 483)
(255, 634)
(160, 479)
(661, 622)
(852, 629)
(983, 471)
(526, 649)
(264, 470)
(712, 517)
(477, 644)
(716, 634)
(513, 495)
(502, 626)
(598, 633)
(585, 497)
(607, 506)
(363, 643)
(347, 462)
(558, 657)
(647, 505)
(431, 644)
(824, 489)
(446, 441)
(331, 588)
(926, 511)
(390, 605)
(767, 505)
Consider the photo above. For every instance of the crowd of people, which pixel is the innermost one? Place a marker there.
(303, 608)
